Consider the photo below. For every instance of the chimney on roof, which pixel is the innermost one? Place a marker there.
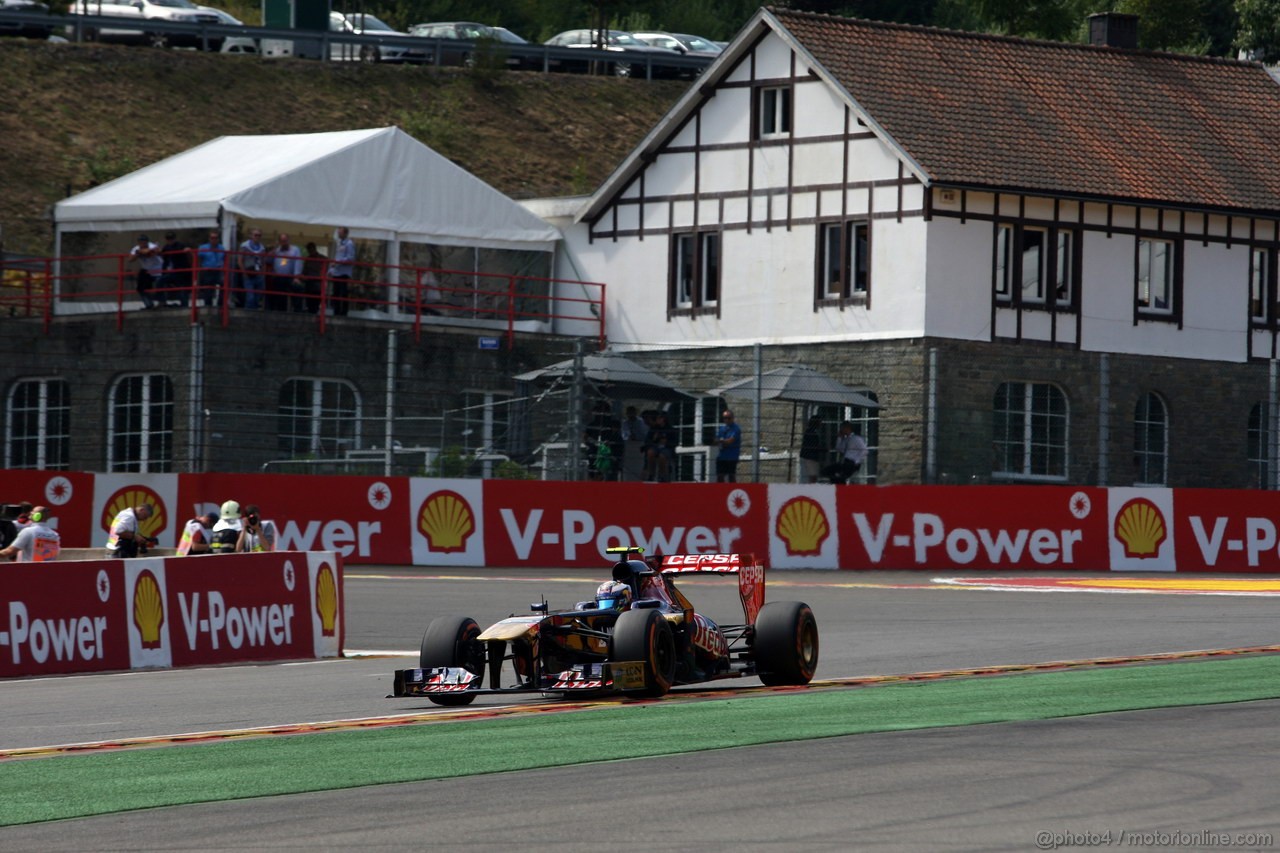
(1114, 29)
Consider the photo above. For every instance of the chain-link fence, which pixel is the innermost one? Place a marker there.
(272, 393)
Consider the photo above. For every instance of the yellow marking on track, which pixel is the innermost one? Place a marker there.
(1197, 584)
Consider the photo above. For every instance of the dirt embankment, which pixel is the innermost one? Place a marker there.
(74, 116)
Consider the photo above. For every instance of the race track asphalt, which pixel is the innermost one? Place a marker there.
(1177, 771)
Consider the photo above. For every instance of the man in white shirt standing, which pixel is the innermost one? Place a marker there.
(851, 452)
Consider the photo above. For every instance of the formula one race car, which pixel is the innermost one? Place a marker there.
(640, 636)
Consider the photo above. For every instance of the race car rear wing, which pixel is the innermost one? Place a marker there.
(749, 570)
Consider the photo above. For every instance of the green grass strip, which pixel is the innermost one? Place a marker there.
(97, 783)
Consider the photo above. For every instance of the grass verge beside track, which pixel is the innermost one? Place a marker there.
(75, 786)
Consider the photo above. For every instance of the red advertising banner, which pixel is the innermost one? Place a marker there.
(973, 527)
(67, 495)
(153, 612)
(1219, 530)
(365, 519)
(62, 617)
(551, 524)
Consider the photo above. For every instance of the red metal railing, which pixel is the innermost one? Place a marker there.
(50, 287)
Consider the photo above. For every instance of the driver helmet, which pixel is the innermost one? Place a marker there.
(612, 595)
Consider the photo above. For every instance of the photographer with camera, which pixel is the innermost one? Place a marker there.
(257, 535)
(126, 539)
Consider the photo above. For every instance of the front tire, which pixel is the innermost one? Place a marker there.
(450, 641)
(370, 54)
(159, 40)
(644, 635)
(786, 643)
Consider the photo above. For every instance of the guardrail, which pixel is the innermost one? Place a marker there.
(318, 44)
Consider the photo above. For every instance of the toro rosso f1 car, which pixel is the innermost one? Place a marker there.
(640, 636)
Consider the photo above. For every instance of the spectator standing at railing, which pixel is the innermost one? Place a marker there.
(211, 257)
(286, 274)
(35, 543)
(312, 275)
(252, 260)
(175, 277)
(729, 440)
(341, 270)
(634, 434)
(147, 254)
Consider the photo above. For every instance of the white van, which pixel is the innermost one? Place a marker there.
(177, 11)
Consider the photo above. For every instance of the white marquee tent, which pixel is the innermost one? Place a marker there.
(381, 183)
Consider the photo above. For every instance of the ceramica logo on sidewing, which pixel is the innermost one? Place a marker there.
(130, 496)
(802, 526)
(447, 521)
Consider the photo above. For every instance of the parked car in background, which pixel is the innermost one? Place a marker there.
(363, 24)
(25, 29)
(232, 44)
(138, 12)
(640, 57)
(463, 40)
(684, 43)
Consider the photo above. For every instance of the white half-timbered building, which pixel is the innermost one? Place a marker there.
(1050, 262)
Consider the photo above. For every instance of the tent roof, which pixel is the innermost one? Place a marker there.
(379, 182)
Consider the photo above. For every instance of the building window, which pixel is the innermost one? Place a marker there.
(1035, 265)
(38, 433)
(695, 270)
(140, 431)
(773, 112)
(1030, 431)
(1259, 441)
(1157, 276)
(1151, 441)
(1261, 287)
(844, 260)
(318, 418)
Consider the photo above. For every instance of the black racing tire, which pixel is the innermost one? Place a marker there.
(160, 40)
(369, 53)
(786, 643)
(451, 641)
(644, 635)
(622, 69)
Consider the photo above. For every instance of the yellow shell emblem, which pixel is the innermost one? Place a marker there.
(148, 609)
(447, 521)
(802, 525)
(326, 600)
(132, 496)
(1140, 526)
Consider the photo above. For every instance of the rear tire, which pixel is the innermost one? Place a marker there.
(160, 40)
(644, 635)
(786, 643)
(450, 641)
(369, 53)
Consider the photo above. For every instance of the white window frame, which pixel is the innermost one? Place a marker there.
(332, 428)
(50, 438)
(1151, 440)
(148, 396)
(696, 270)
(1157, 275)
(1030, 433)
(844, 257)
(773, 112)
(1260, 299)
(1039, 283)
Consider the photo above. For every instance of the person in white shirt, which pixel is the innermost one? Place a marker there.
(851, 452)
(35, 543)
(147, 254)
(126, 538)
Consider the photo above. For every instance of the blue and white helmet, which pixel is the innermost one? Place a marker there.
(612, 595)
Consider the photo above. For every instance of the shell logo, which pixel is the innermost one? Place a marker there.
(1140, 526)
(447, 521)
(326, 600)
(131, 496)
(802, 525)
(148, 609)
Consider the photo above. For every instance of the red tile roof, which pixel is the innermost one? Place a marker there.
(992, 111)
